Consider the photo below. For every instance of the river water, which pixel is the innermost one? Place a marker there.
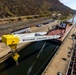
(73, 20)
(33, 59)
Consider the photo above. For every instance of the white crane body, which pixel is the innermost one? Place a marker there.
(29, 37)
(24, 38)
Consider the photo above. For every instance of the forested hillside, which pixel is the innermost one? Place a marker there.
(31, 7)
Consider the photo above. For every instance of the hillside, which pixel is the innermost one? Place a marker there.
(30, 7)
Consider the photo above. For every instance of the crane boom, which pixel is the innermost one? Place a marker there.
(22, 38)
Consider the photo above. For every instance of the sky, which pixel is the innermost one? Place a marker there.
(70, 3)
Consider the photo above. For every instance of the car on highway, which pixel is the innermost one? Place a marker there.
(44, 23)
(39, 25)
(47, 22)
(59, 73)
(52, 20)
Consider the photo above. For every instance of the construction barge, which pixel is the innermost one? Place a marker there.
(56, 30)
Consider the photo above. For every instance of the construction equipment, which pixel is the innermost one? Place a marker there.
(12, 40)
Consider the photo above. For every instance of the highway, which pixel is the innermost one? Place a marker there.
(38, 29)
(8, 28)
(44, 27)
(27, 23)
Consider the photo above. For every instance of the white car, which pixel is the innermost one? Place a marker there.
(39, 25)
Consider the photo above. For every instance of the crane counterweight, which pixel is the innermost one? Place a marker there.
(10, 39)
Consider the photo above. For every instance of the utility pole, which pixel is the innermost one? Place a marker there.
(13, 26)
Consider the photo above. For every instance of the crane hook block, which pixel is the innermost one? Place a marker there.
(15, 56)
(10, 39)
